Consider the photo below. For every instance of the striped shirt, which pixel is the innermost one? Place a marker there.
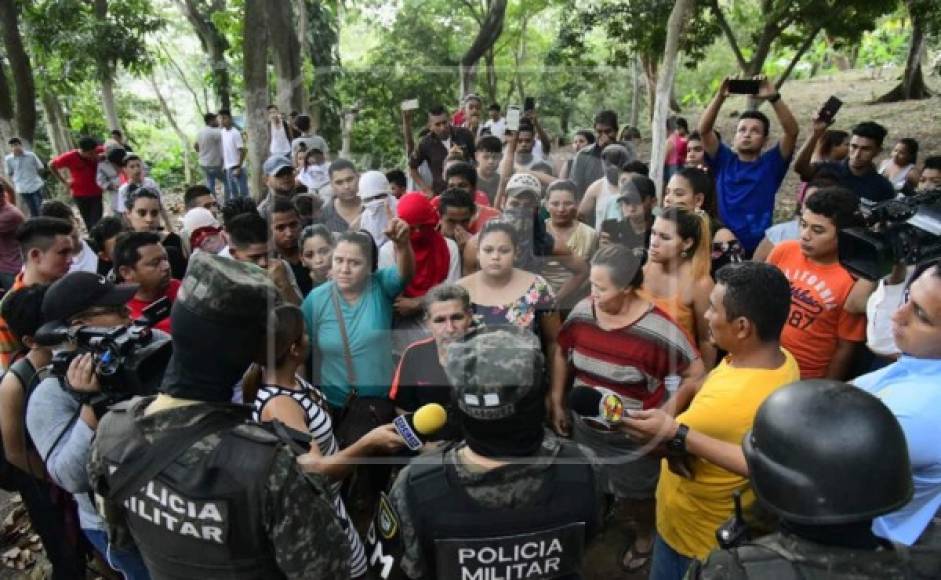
(634, 361)
(320, 427)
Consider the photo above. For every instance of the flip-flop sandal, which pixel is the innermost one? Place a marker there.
(633, 556)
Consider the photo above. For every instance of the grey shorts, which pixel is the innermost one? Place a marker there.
(625, 468)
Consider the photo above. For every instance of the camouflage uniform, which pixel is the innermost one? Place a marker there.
(492, 373)
(298, 519)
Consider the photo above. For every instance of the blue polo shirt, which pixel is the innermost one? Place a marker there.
(911, 389)
(746, 191)
(871, 187)
(368, 323)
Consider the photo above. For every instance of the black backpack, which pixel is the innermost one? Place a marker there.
(27, 374)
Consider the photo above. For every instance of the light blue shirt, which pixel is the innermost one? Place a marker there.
(782, 232)
(911, 388)
(368, 324)
(25, 170)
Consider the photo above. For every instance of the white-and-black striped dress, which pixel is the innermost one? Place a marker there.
(321, 429)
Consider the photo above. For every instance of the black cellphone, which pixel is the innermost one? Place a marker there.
(829, 110)
(744, 86)
(529, 104)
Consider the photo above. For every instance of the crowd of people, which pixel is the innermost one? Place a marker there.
(504, 278)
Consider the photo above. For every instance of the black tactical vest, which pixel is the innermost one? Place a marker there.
(786, 557)
(462, 539)
(198, 521)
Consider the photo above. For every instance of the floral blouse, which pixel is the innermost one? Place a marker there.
(524, 312)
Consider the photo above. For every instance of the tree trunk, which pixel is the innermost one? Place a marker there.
(255, 62)
(56, 127)
(291, 90)
(6, 110)
(106, 71)
(490, 30)
(913, 84)
(300, 11)
(658, 129)
(468, 79)
(214, 43)
(21, 71)
(650, 80)
(808, 42)
(490, 59)
(184, 140)
(635, 93)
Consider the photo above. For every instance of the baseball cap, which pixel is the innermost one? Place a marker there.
(275, 164)
(197, 222)
(493, 370)
(521, 183)
(76, 292)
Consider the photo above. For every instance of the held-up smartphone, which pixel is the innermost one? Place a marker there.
(410, 105)
(529, 104)
(744, 86)
(829, 110)
(513, 118)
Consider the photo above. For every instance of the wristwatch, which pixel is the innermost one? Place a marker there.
(677, 445)
(774, 98)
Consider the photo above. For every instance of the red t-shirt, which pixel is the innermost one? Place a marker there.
(137, 306)
(82, 172)
(817, 320)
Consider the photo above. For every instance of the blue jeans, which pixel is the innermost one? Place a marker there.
(668, 564)
(33, 200)
(238, 185)
(129, 563)
(216, 173)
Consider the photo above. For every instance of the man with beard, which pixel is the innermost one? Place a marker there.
(140, 259)
(747, 180)
(435, 147)
(279, 177)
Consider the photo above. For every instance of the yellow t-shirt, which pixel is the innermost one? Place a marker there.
(690, 511)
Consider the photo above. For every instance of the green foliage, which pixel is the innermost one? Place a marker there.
(323, 41)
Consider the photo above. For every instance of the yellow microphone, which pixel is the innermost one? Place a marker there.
(427, 420)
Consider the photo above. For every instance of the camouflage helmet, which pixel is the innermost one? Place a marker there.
(227, 291)
(493, 370)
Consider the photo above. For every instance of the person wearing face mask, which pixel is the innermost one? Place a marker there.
(509, 488)
(617, 341)
(203, 232)
(437, 260)
(747, 179)
(378, 206)
(594, 205)
(350, 316)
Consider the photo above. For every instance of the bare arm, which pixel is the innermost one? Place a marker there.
(13, 429)
(469, 258)
(842, 357)
(407, 133)
(690, 382)
(700, 304)
(803, 165)
(586, 209)
(763, 250)
(398, 232)
(419, 182)
(789, 127)
(559, 376)
(579, 268)
(506, 169)
(859, 295)
(708, 120)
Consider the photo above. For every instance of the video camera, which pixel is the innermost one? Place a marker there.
(905, 230)
(129, 360)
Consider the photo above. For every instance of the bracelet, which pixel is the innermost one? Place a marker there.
(774, 98)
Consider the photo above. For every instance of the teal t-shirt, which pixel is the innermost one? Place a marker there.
(368, 324)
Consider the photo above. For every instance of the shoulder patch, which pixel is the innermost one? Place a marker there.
(387, 521)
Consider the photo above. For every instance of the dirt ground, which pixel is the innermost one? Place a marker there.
(920, 120)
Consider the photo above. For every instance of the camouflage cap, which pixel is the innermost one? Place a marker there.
(493, 370)
(223, 289)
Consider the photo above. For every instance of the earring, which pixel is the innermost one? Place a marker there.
(684, 254)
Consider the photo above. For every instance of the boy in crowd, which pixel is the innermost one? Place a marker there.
(488, 155)
(820, 333)
(140, 259)
(103, 237)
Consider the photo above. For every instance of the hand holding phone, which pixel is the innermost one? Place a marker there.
(744, 86)
(829, 110)
(410, 105)
(513, 118)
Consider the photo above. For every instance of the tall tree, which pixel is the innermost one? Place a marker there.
(661, 108)
(6, 110)
(291, 92)
(926, 19)
(199, 13)
(106, 70)
(21, 70)
(489, 15)
(255, 63)
(321, 41)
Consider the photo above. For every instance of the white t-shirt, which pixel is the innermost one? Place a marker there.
(880, 307)
(387, 259)
(209, 140)
(497, 128)
(231, 144)
(85, 261)
(280, 144)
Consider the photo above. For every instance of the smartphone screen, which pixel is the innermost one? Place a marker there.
(513, 118)
(744, 86)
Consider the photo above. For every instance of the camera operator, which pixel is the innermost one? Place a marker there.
(61, 427)
(911, 388)
(182, 476)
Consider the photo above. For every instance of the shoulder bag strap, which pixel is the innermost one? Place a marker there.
(347, 355)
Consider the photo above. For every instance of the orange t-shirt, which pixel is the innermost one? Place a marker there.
(8, 342)
(817, 319)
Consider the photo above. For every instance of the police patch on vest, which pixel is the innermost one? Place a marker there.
(383, 544)
(546, 554)
(160, 505)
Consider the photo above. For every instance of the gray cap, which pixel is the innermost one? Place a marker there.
(493, 370)
(224, 289)
(275, 163)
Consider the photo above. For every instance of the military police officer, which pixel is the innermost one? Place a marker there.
(827, 458)
(510, 501)
(181, 475)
